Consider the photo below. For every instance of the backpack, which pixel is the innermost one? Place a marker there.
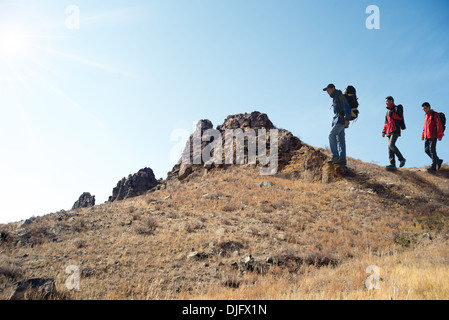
(442, 119)
(400, 110)
(350, 94)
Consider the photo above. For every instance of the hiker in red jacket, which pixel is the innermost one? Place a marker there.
(433, 130)
(392, 129)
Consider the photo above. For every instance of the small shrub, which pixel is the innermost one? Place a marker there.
(79, 225)
(10, 270)
(4, 236)
(229, 207)
(147, 226)
(192, 226)
(231, 281)
(80, 244)
(265, 208)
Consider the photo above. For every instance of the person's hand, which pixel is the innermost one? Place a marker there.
(383, 134)
(346, 123)
(439, 139)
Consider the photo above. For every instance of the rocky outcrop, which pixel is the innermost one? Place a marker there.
(38, 288)
(253, 120)
(135, 185)
(86, 200)
(290, 149)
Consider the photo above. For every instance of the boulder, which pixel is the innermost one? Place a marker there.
(266, 184)
(192, 161)
(39, 288)
(195, 255)
(295, 159)
(86, 200)
(135, 185)
(254, 120)
(248, 263)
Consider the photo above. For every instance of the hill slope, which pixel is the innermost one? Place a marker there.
(230, 233)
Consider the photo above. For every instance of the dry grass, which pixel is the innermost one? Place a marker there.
(318, 238)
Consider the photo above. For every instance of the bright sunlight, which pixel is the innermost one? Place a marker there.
(24, 41)
(13, 43)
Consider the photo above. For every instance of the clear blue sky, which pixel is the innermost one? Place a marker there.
(83, 107)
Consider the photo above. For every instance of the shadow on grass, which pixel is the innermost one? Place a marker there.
(393, 193)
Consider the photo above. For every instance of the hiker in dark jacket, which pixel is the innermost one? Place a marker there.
(432, 131)
(392, 129)
(340, 121)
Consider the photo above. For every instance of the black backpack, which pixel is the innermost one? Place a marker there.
(442, 118)
(400, 111)
(351, 98)
(350, 94)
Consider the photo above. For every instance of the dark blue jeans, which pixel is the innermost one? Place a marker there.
(337, 142)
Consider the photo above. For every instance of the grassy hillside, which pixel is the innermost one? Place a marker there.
(307, 240)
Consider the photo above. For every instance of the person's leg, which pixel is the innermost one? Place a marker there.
(393, 150)
(341, 140)
(427, 148)
(391, 142)
(333, 142)
(433, 152)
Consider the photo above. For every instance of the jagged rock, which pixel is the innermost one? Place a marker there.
(308, 164)
(295, 159)
(254, 120)
(23, 235)
(86, 200)
(24, 223)
(266, 184)
(135, 185)
(4, 236)
(41, 287)
(195, 255)
(192, 161)
(248, 263)
(184, 171)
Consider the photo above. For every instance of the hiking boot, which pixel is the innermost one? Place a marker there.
(333, 160)
(440, 162)
(433, 168)
(340, 163)
(391, 166)
(402, 163)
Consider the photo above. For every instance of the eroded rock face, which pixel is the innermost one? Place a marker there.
(135, 185)
(294, 158)
(253, 120)
(86, 200)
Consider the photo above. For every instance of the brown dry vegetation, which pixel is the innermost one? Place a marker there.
(319, 239)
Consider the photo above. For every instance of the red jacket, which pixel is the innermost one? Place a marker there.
(433, 129)
(391, 121)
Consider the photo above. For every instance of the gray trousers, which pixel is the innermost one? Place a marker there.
(393, 150)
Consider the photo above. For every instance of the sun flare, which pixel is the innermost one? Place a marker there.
(13, 43)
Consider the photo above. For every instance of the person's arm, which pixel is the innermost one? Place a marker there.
(384, 130)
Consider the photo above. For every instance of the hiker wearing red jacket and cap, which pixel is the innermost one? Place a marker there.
(392, 129)
(432, 131)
